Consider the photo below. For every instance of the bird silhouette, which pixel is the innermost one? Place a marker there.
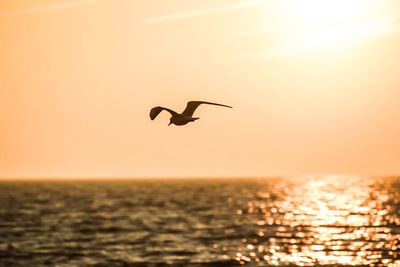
(186, 116)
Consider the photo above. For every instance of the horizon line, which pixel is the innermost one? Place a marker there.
(207, 177)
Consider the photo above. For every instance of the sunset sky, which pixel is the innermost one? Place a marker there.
(315, 87)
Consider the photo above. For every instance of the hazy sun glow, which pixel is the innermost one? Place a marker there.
(312, 25)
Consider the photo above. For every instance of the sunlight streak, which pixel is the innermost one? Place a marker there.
(204, 12)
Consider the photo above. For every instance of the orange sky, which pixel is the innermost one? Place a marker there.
(315, 87)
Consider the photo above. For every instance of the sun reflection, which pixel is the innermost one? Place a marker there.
(326, 221)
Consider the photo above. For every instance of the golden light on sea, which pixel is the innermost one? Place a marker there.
(323, 221)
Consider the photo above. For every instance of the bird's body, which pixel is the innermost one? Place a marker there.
(186, 116)
(182, 120)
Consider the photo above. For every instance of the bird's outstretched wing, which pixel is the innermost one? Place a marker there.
(193, 105)
(156, 110)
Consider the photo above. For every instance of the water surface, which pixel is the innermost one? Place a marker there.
(317, 221)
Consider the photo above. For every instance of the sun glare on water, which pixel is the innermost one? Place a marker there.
(314, 25)
(329, 221)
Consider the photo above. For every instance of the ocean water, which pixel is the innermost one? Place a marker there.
(315, 221)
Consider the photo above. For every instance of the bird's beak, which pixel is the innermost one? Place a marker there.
(169, 123)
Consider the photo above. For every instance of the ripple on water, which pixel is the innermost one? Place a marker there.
(319, 221)
(325, 221)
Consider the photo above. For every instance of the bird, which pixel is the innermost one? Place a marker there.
(186, 116)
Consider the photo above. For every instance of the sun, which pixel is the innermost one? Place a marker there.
(315, 25)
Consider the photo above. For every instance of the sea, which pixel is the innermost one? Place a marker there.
(296, 221)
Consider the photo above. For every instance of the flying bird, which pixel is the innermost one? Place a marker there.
(186, 116)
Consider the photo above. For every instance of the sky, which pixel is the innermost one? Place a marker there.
(314, 87)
